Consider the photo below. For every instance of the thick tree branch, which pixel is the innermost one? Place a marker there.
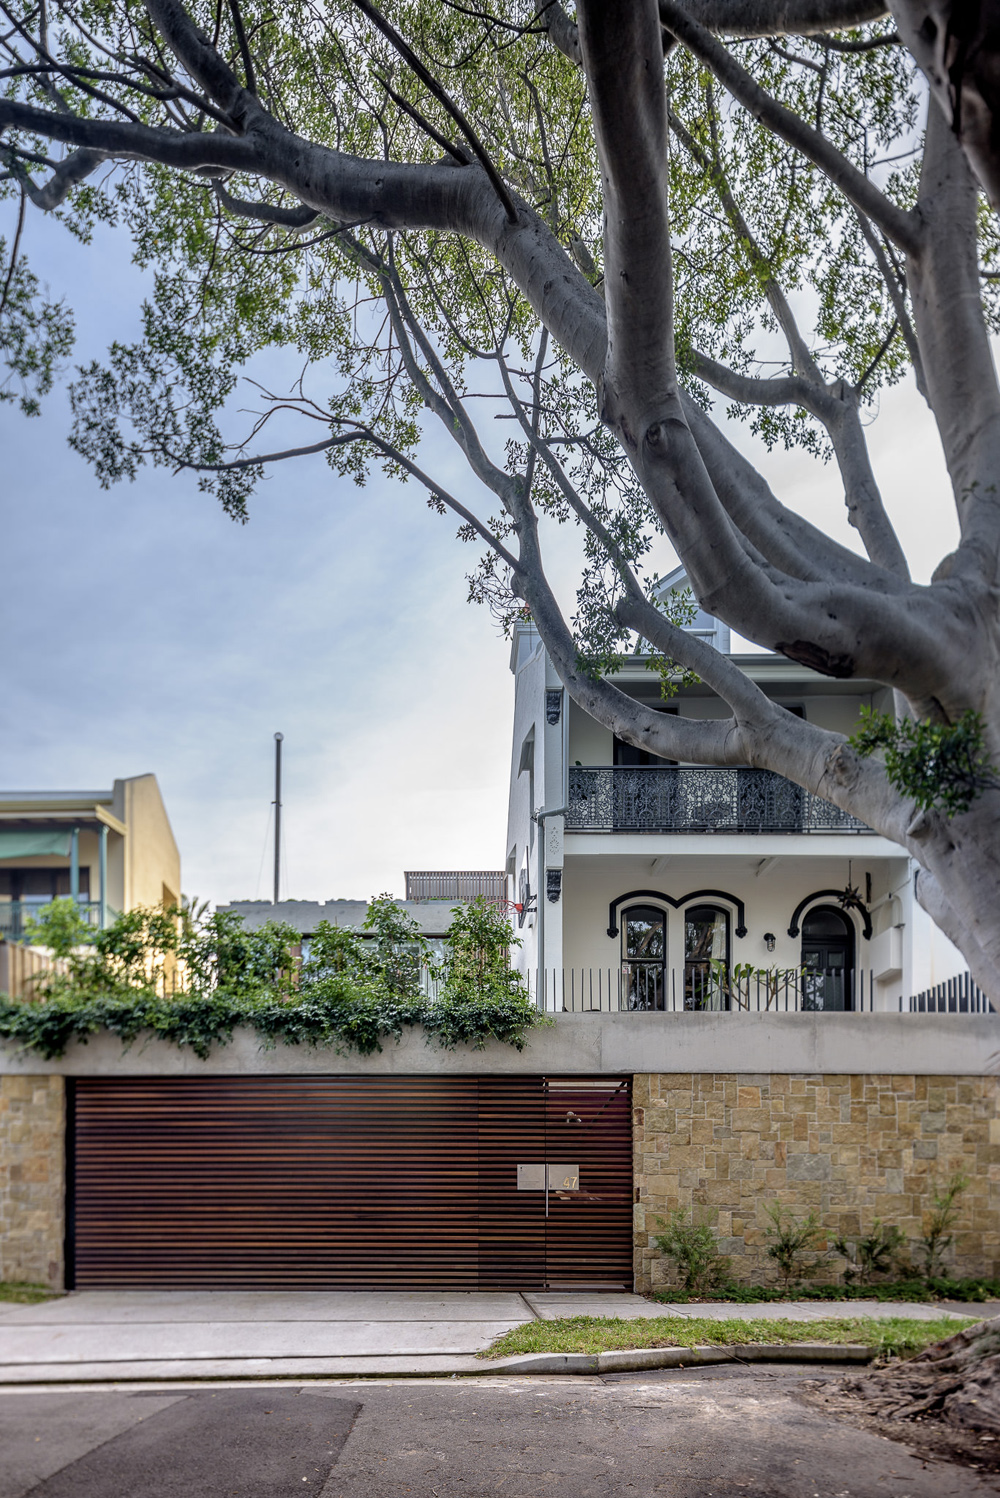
(788, 541)
(899, 225)
(957, 359)
(955, 45)
(740, 18)
(862, 495)
(836, 408)
(347, 189)
(622, 60)
(783, 17)
(203, 61)
(781, 390)
(830, 628)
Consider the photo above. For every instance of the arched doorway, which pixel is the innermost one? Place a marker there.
(644, 957)
(827, 959)
(706, 945)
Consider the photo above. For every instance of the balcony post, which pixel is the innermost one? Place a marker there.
(74, 866)
(103, 913)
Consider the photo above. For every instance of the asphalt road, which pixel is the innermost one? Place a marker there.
(718, 1433)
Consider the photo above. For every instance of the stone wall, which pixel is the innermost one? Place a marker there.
(32, 1179)
(855, 1148)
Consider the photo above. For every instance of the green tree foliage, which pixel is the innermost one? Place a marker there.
(388, 323)
(59, 928)
(192, 978)
(942, 766)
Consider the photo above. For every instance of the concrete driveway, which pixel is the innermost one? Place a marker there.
(95, 1336)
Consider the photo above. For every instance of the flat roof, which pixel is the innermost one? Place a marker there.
(57, 796)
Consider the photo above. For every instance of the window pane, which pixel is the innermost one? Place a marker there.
(644, 934)
(705, 934)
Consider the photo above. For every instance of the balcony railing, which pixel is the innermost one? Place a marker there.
(488, 884)
(644, 988)
(663, 799)
(14, 915)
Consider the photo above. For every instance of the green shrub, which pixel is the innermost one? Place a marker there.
(937, 1237)
(877, 1252)
(791, 1241)
(693, 1249)
(191, 979)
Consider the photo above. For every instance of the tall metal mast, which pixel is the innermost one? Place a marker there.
(277, 814)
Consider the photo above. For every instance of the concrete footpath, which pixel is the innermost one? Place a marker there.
(101, 1336)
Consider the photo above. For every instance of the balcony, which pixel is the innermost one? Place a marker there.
(664, 799)
(15, 913)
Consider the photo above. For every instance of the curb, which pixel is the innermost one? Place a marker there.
(684, 1357)
(286, 1370)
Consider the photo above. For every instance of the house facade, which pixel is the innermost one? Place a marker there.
(112, 850)
(643, 884)
(662, 1083)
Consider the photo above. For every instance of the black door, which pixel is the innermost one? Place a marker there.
(827, 960)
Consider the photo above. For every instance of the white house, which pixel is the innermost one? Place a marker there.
(640, 882)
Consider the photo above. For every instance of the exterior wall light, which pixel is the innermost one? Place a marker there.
(769, 940)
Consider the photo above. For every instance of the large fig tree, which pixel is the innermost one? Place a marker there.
(576, 241)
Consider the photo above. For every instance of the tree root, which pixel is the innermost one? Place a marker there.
(956, 1382)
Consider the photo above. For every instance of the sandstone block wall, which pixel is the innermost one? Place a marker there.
(32, 1179)
(855, 1148)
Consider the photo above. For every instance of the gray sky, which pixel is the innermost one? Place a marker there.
(146, 631)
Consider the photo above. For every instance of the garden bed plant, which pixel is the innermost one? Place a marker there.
(920, 1290)
(192, 978)
(878, 1264)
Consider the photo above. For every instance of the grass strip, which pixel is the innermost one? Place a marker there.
(24, 1293)
(896, 1336)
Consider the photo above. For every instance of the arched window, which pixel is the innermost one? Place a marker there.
(827, 959)
(644, 957)
(706, 943)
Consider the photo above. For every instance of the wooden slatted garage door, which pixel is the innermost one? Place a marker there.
(349, 1183)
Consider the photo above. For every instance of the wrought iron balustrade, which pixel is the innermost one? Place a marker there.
(665, 799)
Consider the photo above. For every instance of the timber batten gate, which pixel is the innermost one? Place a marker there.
(318, 1183)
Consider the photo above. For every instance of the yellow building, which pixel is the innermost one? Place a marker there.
(112, 850)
